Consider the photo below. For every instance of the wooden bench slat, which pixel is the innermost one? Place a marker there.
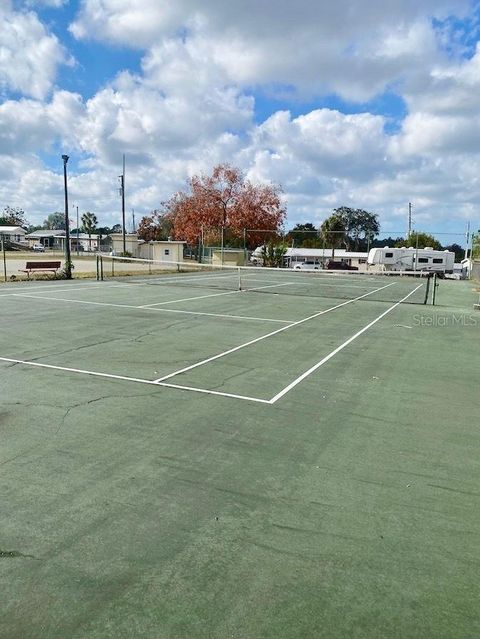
(44, 264)
(40, 266)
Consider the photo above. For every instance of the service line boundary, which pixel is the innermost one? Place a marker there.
(158, 310)
(271, 334)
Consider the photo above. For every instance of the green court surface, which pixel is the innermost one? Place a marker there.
(183, 463)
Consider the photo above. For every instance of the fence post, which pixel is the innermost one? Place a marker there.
(4, 260)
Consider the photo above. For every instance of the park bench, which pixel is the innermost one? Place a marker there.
(33, 267)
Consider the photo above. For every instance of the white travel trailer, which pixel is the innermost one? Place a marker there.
(411, 259)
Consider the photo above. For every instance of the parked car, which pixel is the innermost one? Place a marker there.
(340, 266)
(38, 248)
(308, 265)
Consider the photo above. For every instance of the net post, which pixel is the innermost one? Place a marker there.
(427, 288)
(434, 288)
(98, 269)
(239, 278)
(101, 267)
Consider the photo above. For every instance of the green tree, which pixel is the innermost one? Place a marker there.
(388, 241)
(333, 232)
(458, 250)
(361, 227)
(306, 235)
(420, 240)
(55, 221)
(13, 217)
(476, 246)
(89, 223)
(273, 254)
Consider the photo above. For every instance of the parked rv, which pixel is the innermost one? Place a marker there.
(411, 259)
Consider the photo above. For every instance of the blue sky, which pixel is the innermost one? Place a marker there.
(370, 105)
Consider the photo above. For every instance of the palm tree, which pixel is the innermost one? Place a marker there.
(333, 232)
(89, 223)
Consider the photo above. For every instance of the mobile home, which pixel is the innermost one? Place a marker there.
(411, 259)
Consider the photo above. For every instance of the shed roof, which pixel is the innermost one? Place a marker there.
(318, 253)
(12, 229)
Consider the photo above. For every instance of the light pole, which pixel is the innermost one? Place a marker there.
(68, 260)
(122, 193)
(78, 235)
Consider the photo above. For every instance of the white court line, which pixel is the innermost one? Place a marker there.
(125, 378)
(262, 337)
(175, 279)
(320, 282)
(60, 288)
(201, 297)
(159, 310)
(212, 392)
(338, 349)
(188, 299)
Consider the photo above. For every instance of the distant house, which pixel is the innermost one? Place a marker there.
(45, 237)
(13, 233)
(55, 239)
(352, 258)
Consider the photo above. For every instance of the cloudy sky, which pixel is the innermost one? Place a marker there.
(367, 104)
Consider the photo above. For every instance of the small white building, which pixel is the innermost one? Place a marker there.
(165, 251)
(13, 233)
(159, 250)
(132, 244)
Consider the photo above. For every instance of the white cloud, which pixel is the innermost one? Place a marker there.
(354, 49)
(191, 106)
(27, 126)
(331, 143)
(29, 55)
(121, 21)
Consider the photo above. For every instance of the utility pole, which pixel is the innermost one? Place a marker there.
(409, 232)
(68, 259)
(122, 193)
(133, 221)
(467, 236)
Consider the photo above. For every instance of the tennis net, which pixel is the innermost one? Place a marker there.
(388, 286)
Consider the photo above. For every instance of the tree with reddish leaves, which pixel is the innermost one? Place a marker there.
(224, 202)
(156, 226)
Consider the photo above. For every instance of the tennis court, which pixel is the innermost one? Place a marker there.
(239, 454)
